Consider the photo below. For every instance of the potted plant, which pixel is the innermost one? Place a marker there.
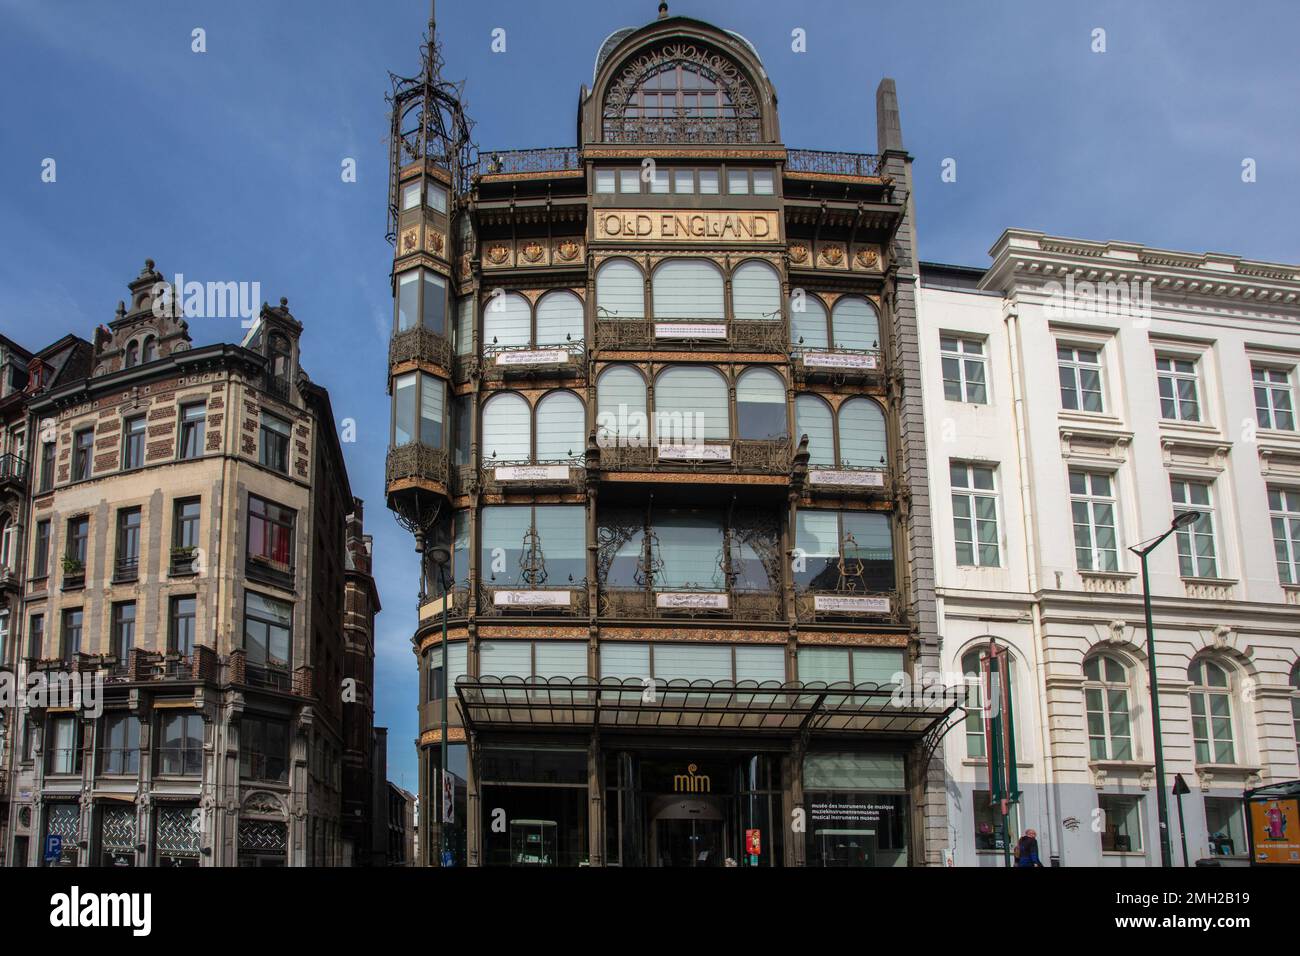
(72, 565)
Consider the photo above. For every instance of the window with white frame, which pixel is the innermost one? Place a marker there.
(1079, 370)
(1105, 695)
(1121, 819)
(972, 668)
(974, 514)
(1092, 510)
(1284, 512)
(964, 378)
(1211, 699)
(1196, 551)
(1273, 406)
(1179, 394)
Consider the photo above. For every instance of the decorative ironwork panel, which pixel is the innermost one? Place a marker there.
(420, 345)
(806, 607)
(117, 828)
(757, 606)
(622, 334)
(546, 160)
(733, 116)
(176, 830)
(263, 836)
(417, 461)
(766, 457)
(64, 819)
(758, 336)
(577, 598)
(831, 163)
(525, 480)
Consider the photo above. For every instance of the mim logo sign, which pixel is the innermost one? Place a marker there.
(110, 910)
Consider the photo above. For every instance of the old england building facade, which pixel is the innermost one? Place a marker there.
(603, 360)
(184, 537)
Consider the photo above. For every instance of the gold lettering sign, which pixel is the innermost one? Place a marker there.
(691, 782)
(686, 225)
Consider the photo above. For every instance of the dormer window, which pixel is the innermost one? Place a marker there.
(150, 351)
(132, 355)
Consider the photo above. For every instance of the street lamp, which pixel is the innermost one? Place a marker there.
(441, 558)
(1181, 520)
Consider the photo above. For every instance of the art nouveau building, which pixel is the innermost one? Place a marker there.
(186, 548)
(604, 364)
(1077, 395)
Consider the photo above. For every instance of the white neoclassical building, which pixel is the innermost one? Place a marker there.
(1077, 395)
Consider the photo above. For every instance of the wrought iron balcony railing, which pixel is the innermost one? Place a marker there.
(561, 475)
(502, 362)
(735, 336)
(13, 471)
(544, 601)
(841, 606)
(683, 129)
(510, 161)
(739, 456)
(672, 603)
(416, 461)
(420, 344)
(840, 365)
(831, 163)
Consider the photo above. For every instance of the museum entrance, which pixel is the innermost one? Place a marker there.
(688, 832)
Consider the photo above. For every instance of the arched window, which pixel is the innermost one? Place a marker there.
(278, 353)
(506, 419)
(809, 323)
(1211, 712)
(855, 324)
(862, 434)
(560, 425)
(1105, 697)
(559, 318)
(760, 404)
(691, 406)
(132, 355)
(150, 351)
(755, 292)
(688, 289)
(812, 417)
(970, 666)
(681, 95)
(620, 291)
(621, 407)
(6, 545)
(507, 320)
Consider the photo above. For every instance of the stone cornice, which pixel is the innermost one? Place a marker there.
(1025, 258)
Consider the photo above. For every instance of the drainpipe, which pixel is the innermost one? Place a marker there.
(1012, 318)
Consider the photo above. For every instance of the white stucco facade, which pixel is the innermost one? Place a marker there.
(1073, 489)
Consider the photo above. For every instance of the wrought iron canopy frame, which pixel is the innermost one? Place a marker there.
(792, 708)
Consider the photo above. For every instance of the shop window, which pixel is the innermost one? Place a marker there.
(1121, 820)
(856, 809)
(119, 751)
(1225, 825)
(543, 793)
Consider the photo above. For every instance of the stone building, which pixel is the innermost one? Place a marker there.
(360, 762)
(657, 419)
(23, 375)
(185, 552)
(1078, 396)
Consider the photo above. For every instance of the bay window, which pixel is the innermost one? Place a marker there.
(421, 301)
(419, 409)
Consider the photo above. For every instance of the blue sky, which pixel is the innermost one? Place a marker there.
(225, 165)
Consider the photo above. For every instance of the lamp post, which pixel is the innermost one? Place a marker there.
(441, 558)
(1181, 520)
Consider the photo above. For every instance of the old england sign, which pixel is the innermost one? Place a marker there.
(623, 225)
